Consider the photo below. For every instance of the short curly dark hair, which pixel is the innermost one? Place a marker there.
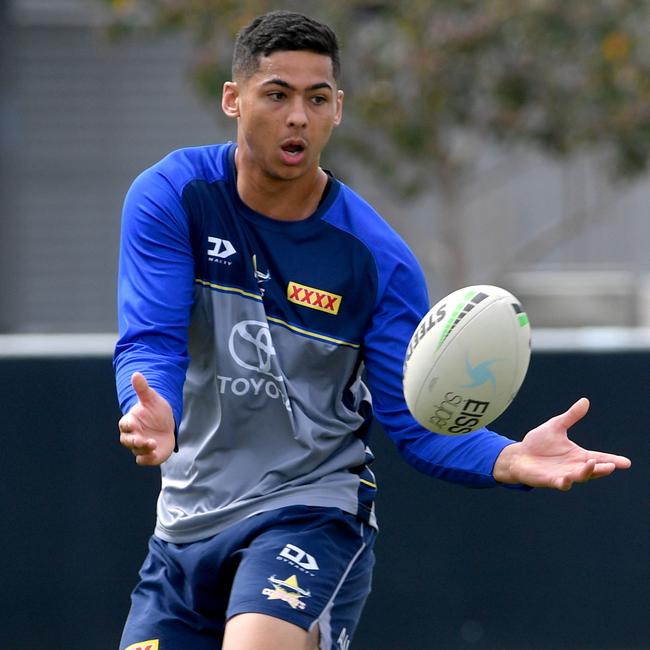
(282, 31)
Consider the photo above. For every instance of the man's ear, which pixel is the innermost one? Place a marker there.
(230, 99)
(338, 116)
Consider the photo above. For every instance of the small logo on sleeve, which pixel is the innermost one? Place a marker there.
(305, 296)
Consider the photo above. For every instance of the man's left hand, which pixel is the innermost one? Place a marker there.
(546, 457)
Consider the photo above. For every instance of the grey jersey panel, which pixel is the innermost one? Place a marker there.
(261, 429)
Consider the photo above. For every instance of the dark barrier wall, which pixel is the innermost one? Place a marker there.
(456, 568)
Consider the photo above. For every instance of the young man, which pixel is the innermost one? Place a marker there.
(254, 289)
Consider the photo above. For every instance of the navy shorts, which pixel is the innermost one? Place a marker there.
(305, 565)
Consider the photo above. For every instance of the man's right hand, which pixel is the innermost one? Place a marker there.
(148, 428)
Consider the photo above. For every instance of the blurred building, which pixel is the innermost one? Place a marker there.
(80, 117)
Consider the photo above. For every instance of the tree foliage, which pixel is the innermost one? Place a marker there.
(562, 76)
(428, 82)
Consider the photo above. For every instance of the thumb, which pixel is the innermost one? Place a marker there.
(575, 413)
(142, 389)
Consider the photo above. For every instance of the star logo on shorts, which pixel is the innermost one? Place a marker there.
(287, 590)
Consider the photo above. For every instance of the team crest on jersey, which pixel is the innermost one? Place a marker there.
(152, 644)
(305, 296)
(260, 276)
(286, 590)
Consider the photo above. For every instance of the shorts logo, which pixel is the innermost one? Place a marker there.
(287, 590)
(144, 645)
(305, 296)
(299, 557)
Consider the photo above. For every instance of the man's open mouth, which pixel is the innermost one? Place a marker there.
(293, 149)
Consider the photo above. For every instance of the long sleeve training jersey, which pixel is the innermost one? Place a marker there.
(258, 332)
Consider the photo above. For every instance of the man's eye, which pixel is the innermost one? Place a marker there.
(276, 96)
(319, 99)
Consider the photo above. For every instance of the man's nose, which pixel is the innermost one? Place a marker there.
(297, 115)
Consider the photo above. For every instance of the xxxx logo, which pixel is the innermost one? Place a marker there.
(305, 296)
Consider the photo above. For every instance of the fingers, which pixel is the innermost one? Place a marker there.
(584, 473)
(137, 443)
(144, 449)
(580, 475)
(147, 459)
(603, 469)
(129, 423)
(590, 470)
(563, 483)
(141, 387)
(575, 413)
(619, 462)
(126, 424)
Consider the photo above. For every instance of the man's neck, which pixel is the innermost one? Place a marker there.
(284, 200)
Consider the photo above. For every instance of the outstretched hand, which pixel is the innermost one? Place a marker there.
(546, 457)
(148, 428)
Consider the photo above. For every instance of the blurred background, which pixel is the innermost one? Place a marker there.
(507, 141)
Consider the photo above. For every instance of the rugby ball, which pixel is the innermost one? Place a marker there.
(467, 360)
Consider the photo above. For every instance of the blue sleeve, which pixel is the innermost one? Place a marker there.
(402, 302)
(155, 288)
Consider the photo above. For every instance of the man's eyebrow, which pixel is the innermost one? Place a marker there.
(284, 84)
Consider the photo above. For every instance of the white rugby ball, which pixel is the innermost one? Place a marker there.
(467, 360)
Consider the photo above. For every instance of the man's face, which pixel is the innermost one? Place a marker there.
(286, 112)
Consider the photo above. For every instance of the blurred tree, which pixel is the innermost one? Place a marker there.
(427, 79)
